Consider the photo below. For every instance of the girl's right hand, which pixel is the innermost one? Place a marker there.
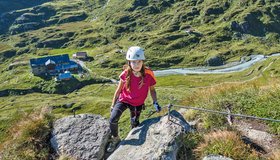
(111, 108)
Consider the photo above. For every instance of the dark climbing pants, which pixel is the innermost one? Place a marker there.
(117, 111)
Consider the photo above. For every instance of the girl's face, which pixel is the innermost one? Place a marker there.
(136, 65)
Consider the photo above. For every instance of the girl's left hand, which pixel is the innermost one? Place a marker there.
(157, 106)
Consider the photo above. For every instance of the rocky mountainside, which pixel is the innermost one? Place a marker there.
(175, 32)
(11, 5)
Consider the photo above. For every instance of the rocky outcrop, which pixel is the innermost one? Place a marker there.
(19, 4)
(7, 54)
(89, 41)
(82, 137)
(256, 135)
(35, 18)
(27, 19)
(150, 10)
(215, 61)
(73, 18)
(243, 27)
(24, 27)
(53, 43)
(250, 25)
(156, 138)
(214, 10)
(123, 19)
(137, 3)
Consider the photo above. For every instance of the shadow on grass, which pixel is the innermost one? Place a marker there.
(10, 92)
(53, 87)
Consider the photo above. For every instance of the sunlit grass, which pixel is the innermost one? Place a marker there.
(4, 47)
(211, 91)
(225, 143)
(275, 155)
(250, 99)
(29, 137)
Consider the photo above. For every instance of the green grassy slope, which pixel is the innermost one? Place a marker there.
(254, 92)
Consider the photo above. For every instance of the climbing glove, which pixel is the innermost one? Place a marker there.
(157, 107)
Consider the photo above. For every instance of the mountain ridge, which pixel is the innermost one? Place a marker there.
(193, 30)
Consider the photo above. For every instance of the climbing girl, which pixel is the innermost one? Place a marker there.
(135, 83)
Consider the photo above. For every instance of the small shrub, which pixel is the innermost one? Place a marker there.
(190, 142)
(46, 86)
(30, 137)
(225, 143)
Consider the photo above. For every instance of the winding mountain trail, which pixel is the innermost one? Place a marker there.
(241, 82)
(222, 69)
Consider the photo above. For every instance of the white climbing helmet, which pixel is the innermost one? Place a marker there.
(135, 53)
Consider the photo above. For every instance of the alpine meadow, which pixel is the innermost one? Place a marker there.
(86, 41)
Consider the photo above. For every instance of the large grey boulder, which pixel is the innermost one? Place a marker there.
(82, 137)
(257, 135)
(156, 138)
